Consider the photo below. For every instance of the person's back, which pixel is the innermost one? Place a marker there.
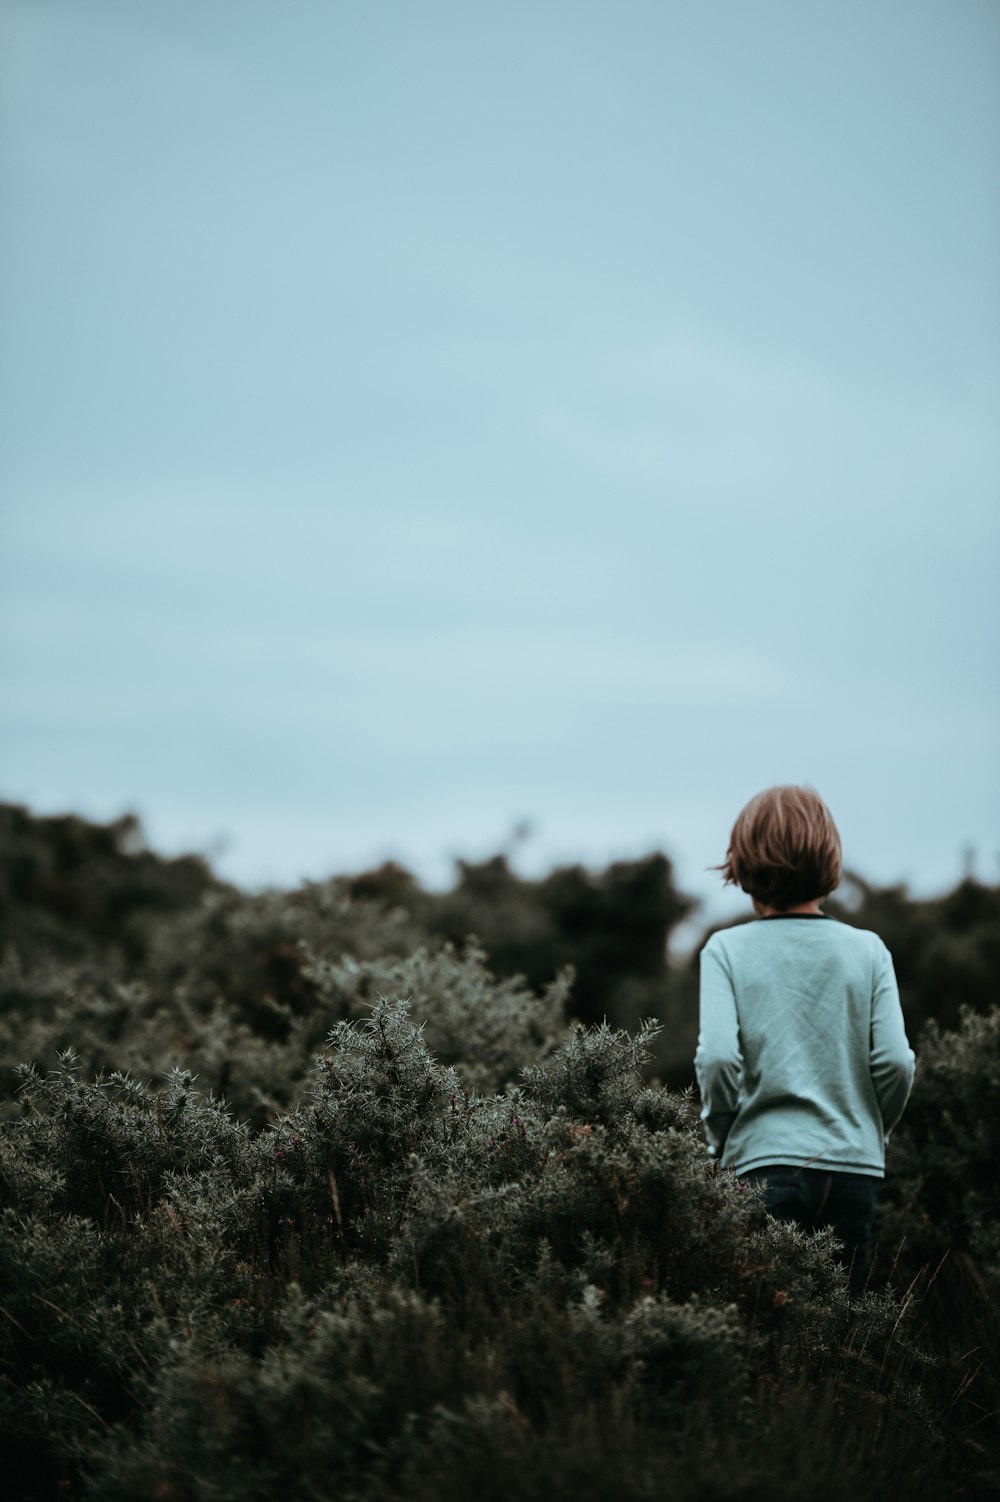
(803, 1062)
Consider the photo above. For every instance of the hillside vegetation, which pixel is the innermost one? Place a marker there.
(369, 1192)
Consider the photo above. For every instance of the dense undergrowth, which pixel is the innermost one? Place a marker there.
(301, 1197)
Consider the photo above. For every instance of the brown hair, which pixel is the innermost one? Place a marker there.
(784, 848)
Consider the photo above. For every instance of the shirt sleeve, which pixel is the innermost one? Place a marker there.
(718, 1062)
(892, 1059)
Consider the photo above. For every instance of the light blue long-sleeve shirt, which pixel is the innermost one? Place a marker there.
(802, 1054)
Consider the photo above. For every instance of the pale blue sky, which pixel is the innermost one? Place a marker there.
(422, 417)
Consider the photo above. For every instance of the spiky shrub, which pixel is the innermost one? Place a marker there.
(255, 1047)
(942, 1191)
(401, 1285)
(938, 1227)
(487, 1027)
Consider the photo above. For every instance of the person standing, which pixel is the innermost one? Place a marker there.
(802, 1061)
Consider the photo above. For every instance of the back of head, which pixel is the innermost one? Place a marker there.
(784, 848)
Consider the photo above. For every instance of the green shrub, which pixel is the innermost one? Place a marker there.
(399, 1264)
(320, 1203)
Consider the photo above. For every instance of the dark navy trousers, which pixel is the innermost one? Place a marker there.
(814, 1197)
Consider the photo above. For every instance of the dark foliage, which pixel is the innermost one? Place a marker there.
(437, 1237)
(68, 886)
(399, 1281)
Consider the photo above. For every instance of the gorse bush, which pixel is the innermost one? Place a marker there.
(397, 1271)
(612, 927)
(943, 1192)
(301, 1197)
(85, 906)
(487, 1027)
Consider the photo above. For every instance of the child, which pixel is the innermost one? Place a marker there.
(803, 1062)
